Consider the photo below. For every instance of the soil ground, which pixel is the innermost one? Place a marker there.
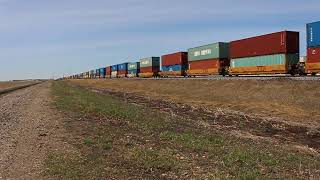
(29, 128)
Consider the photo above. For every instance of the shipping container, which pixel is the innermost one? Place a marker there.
(133, 73)
(114, 68)
(269, 64)
(122, 70)
(123, 67)
(285, 42)
(210, 51)
(152, 71)
(180, 58)
(92, 74)
(313, 60)
(102, 72)
(208, 67)
(133, 66)
(108, 72)
(114, 71)
(114, 74)
(122, 73)
(173, 70)
(313, 34)
(97, 73)
(150, 62)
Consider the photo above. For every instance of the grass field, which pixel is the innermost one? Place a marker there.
(291, 101)
(121, 140)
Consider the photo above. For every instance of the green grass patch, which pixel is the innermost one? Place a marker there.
(120, 140)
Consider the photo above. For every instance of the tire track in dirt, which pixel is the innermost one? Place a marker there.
(28, 129)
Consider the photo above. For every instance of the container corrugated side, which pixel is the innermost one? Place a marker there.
(313, 34)
(174, 68)
(133, 66)
(210, 51)
(123, 67)
(179, 58)
(114, 68)
(269, 60)
(133, 73)
(313, 55)
(285, 42)
(148, 62)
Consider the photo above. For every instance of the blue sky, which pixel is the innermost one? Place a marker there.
(46, 38)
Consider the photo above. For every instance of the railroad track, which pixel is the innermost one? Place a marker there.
(284, 77)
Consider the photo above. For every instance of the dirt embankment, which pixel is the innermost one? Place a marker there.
(28, 128)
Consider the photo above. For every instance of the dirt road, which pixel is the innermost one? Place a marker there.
(27, 125)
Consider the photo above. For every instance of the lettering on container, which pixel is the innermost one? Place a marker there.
(311, 34)
(145, 62)
(202, 52)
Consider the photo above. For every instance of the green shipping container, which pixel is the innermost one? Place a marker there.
(276, 59)
(150, 62)
(133, 66)
(210, 51)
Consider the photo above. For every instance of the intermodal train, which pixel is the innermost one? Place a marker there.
(275, 53)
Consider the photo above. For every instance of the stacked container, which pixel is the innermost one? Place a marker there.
(174, 64)
(114, 71)
(97, 73)
(102, 72)
(108, 72)
(133, 69)
(211, 59)
(92, 74)
(122, 70)
(149, 67)
(313, 51)
(276, 53)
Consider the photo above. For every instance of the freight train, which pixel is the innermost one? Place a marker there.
(275, 53)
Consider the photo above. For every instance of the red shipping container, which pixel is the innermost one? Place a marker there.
(150, 69)
(284, 42)
(210, 63)
(108, 71)
(122, 72)
(180, 58)
(313, 55)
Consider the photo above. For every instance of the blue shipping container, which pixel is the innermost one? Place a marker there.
(123, 67)
(313, 34)
(102, 72)
(114, 68)
(174, 68)
(97, 72)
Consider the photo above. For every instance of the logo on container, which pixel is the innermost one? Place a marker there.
(145, 62)
(202, 52)
(314, 52)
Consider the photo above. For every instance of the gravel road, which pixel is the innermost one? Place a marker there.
(28, 129)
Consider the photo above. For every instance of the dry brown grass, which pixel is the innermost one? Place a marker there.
(293, 101)
(12, 84)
